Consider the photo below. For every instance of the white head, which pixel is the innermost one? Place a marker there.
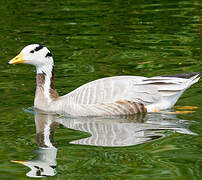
(40, 57)
(34, 54)
(44, 164)
(38, 168)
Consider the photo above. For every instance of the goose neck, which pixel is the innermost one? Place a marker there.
(45, 81)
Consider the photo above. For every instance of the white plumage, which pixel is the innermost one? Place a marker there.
(108, 96)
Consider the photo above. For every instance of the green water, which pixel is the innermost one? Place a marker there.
(90, 40)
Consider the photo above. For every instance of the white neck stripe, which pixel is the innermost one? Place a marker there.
(47, 70)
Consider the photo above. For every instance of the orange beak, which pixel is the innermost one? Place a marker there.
(17, 59)
(20, 162)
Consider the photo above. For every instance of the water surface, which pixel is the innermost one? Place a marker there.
(90, 40)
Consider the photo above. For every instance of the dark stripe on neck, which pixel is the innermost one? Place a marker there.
(40, 135)
(52, 85)
(41, 79)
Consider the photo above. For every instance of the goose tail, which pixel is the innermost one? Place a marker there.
(194, 79)
(171, 87)
(184, 75)
(191, 79)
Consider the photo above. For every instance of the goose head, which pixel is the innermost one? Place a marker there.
(33, 54)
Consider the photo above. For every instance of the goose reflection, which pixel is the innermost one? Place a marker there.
(104, 131)
(125, 130)
(44, 164)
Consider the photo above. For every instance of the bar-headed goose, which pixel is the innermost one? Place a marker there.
(119, 95)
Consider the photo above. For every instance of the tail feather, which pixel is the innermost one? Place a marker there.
(170, 88)
(184, 75)
(172, 98)
(194, 79)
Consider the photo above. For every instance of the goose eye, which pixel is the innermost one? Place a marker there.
(32, 51)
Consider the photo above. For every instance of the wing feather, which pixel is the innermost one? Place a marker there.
(131, 88)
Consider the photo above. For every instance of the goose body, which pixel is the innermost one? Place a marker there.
(118, 95)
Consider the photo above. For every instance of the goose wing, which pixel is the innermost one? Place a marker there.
(111, 89)
(124, 95)
(132, 88)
